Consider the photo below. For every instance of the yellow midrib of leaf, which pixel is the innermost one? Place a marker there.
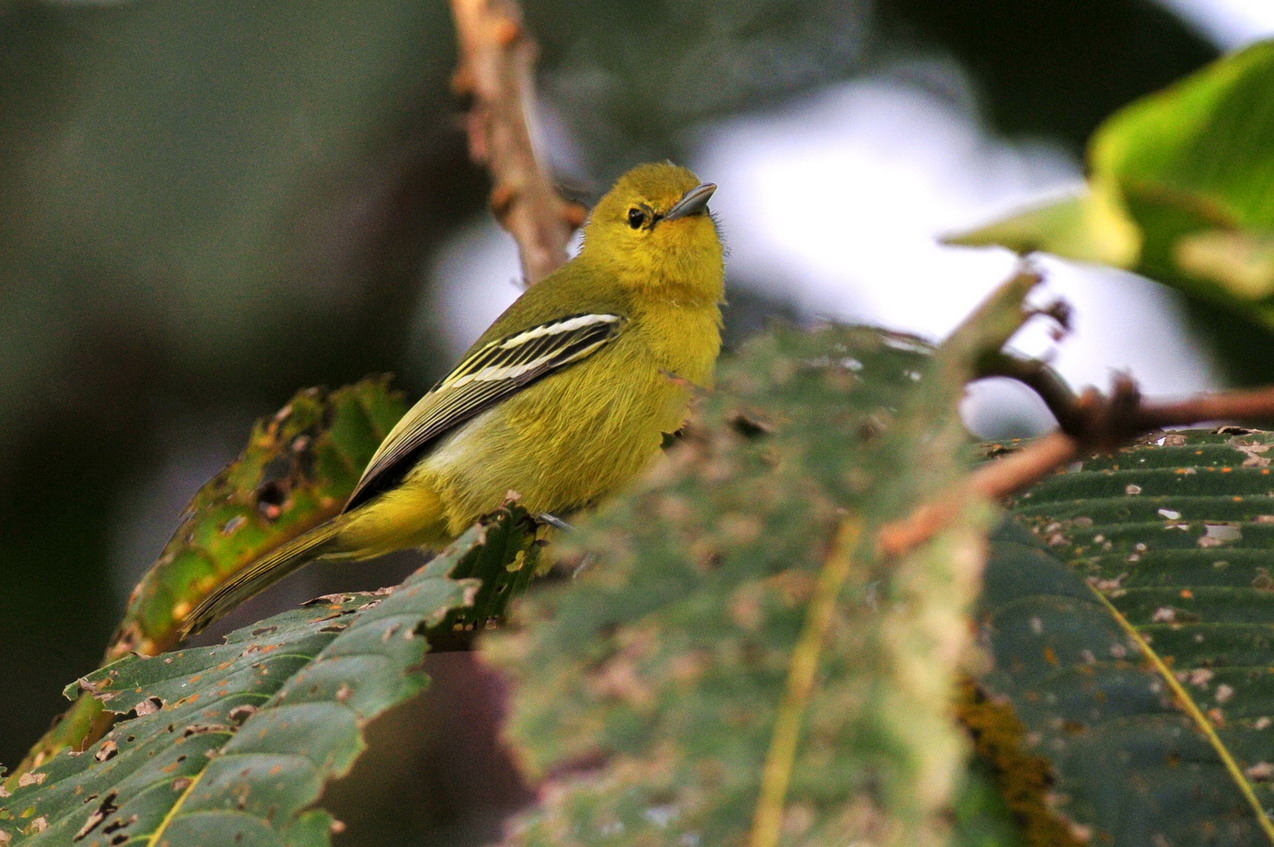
(172, 813)
(802, 672)
(1196, 714)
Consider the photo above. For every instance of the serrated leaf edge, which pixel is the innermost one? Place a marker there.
(466, 589)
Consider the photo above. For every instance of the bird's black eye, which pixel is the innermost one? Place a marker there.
(636, 218)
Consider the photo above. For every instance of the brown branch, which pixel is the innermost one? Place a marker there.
(1036, 375)
(1254, 405)
(497, 70)
(1092, 423)
(992, 481)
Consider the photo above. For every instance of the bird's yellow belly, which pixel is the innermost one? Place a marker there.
(555, 462)
(561, 443)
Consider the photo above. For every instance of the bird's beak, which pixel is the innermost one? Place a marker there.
(693, 202)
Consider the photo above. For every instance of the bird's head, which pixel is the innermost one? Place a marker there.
(653, 231)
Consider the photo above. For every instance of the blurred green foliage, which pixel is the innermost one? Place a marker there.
(665, 672)
(1178, 191)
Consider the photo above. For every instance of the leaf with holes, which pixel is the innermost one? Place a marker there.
(1133, 644)
(740, 662)
(296, 471)
(230, 744)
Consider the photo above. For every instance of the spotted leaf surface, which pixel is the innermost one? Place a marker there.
(296, 471)
(230, 744)
(737, 624)
(1132, 636)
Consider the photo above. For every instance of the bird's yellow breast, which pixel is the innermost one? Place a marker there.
(563, 443)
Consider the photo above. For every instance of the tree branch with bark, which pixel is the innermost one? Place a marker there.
(497, 71)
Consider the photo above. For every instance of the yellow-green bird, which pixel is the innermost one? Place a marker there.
(563, 399)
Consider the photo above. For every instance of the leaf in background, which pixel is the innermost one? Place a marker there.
(296, 472)
(1179, 190)
(1135, 647)
(1088, 227)
(737, 628)
(230, 744)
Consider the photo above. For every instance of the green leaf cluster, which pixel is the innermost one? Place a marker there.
(738, 659)
(1179, 189)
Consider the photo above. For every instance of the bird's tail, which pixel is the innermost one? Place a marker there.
(262, 573)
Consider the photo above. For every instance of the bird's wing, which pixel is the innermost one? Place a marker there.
(487, 375)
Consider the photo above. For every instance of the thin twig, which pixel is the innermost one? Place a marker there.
(992, 481)
(1092, 423)
(497, 69)
(1254, 405)
(1036, 375)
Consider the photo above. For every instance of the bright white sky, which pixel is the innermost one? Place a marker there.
(838, 199)
(1230, 23)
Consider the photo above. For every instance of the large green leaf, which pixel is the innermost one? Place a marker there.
(1179, 189)
(738, 629)
(296, 471)
(230, 744)
(1133, 644)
